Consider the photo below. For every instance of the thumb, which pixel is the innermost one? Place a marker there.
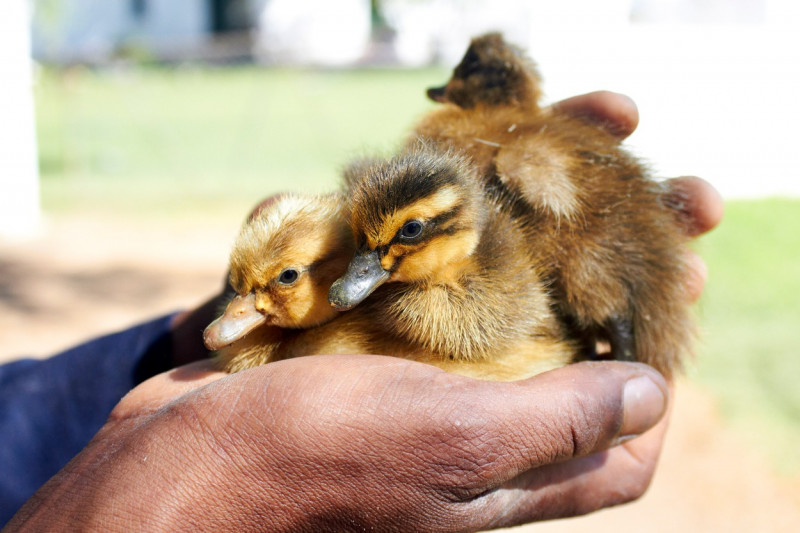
(560, 415)
(158, 391)
(534, 452)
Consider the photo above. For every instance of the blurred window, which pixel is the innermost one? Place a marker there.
(139, 8)
(230, 16)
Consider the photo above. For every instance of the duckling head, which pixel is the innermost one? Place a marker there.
(491, 73)
(415, 217)
(282, 265)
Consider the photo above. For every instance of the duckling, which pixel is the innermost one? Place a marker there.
(451, 271)
(609, 248)
(283, 263)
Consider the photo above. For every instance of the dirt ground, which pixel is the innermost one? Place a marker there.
(83, 277)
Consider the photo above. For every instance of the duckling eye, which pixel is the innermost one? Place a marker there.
(411, 229)
(288, 276)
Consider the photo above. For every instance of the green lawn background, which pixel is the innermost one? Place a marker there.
(167, 144)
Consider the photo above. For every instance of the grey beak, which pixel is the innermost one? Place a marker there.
(240, 318)
(364, 275)
(437, 94)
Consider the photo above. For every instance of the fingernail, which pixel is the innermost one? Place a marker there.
(644, 404)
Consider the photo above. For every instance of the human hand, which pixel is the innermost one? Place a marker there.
(358, 442)
(700, 207)
(120, 476)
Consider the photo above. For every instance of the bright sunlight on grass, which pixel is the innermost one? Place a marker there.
(750, 315)
(169, 143)
(158, 140)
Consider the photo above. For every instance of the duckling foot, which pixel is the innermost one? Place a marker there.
(620, 336)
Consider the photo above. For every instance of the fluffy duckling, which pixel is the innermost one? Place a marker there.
(610, 249)
(460, 285)
(283, 263)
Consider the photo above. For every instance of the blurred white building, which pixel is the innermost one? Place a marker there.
(67, 31)
(714, 79)
(19, 185)
(313, 32)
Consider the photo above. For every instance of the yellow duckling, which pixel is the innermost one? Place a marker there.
(609, 248)
(282, 265)
(469, 301)
(461, 289)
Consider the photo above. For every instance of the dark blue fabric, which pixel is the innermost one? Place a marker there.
(51, 408)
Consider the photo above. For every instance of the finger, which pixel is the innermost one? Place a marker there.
(696, 276)
(698, 204)
(615, 112)
(583, 485)
(504, 430)
(164, 388)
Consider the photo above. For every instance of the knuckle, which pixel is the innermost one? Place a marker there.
(461, 454)
(636, 482)
(583, 427)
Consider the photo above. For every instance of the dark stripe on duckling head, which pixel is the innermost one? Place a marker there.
(492, 72)
(434, 227)
(437, 233)
(387, 187)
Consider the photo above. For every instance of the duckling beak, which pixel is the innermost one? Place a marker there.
(240, 318)
(437, 94)
(364, 275)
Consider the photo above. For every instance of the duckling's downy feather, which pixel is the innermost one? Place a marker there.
(466, 289)
(281, 268)
(608, 246)
(467, 298)
(500, 237)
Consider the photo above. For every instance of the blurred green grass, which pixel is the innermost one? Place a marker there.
(175, 143)
(750, 318)
(171, 140)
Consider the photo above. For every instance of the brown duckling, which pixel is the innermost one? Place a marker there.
(455, 309)
(282, 265)
(609, 248)
(460, 283)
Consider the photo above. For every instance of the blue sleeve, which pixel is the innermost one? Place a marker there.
(51, 408)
